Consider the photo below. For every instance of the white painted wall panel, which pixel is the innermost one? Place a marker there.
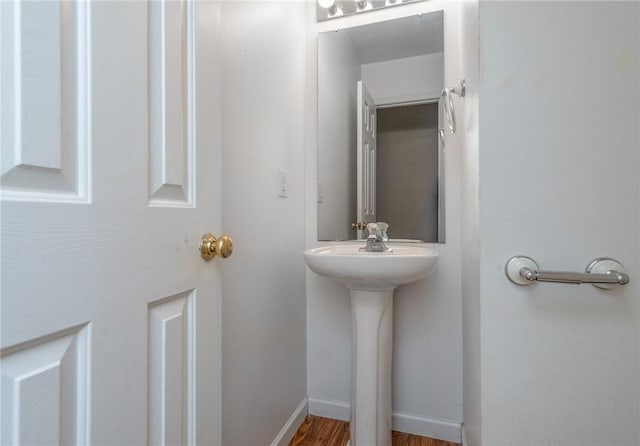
(560, 363)
(263, 331)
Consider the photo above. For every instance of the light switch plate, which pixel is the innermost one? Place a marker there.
(283, 186)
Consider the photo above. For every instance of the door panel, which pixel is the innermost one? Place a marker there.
(170, 103)
(171, 369)
(366, 159)
(45, 391)
(109, 315)
(44, 101)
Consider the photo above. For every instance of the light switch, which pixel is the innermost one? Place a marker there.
(283, 187)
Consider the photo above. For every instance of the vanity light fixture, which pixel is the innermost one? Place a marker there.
(332, 9)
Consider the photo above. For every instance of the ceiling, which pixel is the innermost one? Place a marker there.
(416, 35)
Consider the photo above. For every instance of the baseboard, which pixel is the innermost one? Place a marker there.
(291, 426)
(440, 429)
(338, 410)
(403, 422)
(463, 435)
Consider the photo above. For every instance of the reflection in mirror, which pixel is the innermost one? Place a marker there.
(379, 154)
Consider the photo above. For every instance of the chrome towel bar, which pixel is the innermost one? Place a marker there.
(602, 272)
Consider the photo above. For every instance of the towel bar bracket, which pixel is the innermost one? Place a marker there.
(603, 272)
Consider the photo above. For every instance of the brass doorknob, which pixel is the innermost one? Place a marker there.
(211, 246)
(361, 226)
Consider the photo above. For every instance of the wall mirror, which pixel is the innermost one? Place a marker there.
(380, 157)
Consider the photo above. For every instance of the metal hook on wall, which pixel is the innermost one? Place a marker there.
(449, 109)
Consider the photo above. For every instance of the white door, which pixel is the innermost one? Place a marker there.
(110, 317)
(366, 147)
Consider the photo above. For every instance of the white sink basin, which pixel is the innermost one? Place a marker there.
(372, 270)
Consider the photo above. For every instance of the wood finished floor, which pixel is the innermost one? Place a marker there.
(318, 431)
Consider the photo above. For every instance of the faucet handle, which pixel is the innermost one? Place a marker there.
(384, 227)
(373, 229)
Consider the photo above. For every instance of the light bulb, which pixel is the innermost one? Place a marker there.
(327, 4)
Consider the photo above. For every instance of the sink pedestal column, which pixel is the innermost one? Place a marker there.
(372, 322)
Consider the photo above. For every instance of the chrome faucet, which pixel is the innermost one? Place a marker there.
(376, 239)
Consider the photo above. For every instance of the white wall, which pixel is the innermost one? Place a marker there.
(427, 382)
(559, 181)
(406, 79)
(263, 322)
(337, 100)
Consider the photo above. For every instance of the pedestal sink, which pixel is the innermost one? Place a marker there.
(371, 278)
